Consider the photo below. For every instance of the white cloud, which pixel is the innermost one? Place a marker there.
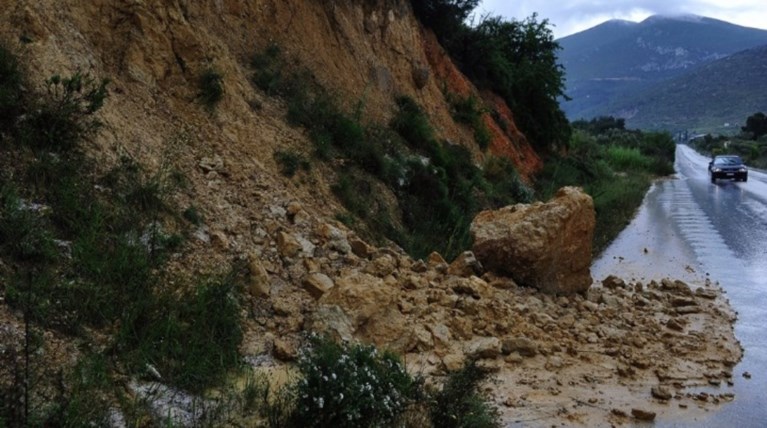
(570, 16)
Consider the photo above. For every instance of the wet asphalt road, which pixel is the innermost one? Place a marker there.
(695, 230)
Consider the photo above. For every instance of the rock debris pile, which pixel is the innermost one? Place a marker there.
(617, 351)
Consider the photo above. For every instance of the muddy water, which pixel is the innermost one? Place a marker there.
(691, 229)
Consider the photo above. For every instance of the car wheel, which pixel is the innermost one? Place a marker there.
(713, 179)
(745, 179)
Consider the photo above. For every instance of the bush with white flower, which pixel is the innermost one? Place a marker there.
(350, 385)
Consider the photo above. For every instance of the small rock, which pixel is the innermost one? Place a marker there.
(317, 284)
(522, 345)
(706, 293)
(484, 347)
(661, 392)
(419, 267)
(453, 362)
(381, 266)
(465, 265)
(678, 302)
(360, 248)
(643, 415)
(675, 324)
(613, 281)
(258, 279)
(293, 208)
(747, 375)
(214, 163)
(420, 76)
(219, 240)
(284, 350)
(288, 245)
(435, 259)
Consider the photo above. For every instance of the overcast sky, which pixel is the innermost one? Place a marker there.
(571, 16)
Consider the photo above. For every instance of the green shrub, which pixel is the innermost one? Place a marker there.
(211, 88)
(504, 187)
(269, 69)
(348, 386)
(193, 215)
(460, 403)
(515, 59)
(412, 124)
(469, 111)
(290, 162)
(623, 158)
(11, 82)
(25, 235)
(191, 345)
(64, 117)
(84, 401)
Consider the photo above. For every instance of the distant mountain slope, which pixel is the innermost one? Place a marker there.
(618, 59)
(722, 92)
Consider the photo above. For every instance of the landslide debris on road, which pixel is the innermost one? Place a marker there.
(618, 352)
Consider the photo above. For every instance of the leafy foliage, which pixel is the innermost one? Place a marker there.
(515, 59)
(65, 116)
(469, 111)
(460, 403)
(11, 81)
(600, 125)
(350, 386)
(753, 152)
(81, 258)
(756, 124)
(615, 166)
(211, 88)
(353, 385)
(437, 187)
(445, 17)
(190, 344)
(290, 162)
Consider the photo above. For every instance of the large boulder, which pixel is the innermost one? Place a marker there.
(541, 245)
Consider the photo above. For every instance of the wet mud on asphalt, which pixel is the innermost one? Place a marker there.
(691, 229)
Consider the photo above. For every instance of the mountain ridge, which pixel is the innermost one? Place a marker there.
(685, 102)
(610, 61)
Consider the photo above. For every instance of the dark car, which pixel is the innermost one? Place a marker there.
(727, 166)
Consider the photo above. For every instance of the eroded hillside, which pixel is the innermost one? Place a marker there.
(304, 271)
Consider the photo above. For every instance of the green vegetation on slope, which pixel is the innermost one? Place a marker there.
(438, 190)
(615, 166)
(77, 259)
(84, 260)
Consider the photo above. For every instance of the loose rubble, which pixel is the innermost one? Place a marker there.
(619, 351)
